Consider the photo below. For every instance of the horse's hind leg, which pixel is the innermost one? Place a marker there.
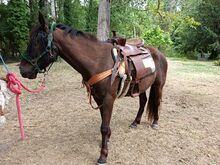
(142, 103)
(154, 104)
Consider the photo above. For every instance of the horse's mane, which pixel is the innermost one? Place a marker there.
(74, 32)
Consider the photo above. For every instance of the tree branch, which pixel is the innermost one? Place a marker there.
(158, 8)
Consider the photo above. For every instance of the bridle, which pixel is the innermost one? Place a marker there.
(48, 51)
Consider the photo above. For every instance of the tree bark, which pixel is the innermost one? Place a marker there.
(53, 8)
(44, 7)
(103, 20)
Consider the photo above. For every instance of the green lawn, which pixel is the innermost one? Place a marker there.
(196, 67)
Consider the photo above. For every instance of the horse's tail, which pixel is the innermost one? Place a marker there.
(154, 102)
(155, 96)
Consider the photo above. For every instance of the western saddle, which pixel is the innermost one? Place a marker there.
(131, 64)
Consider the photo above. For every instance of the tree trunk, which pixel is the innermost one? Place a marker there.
(53, 8)
(44, 7)
(103, 20)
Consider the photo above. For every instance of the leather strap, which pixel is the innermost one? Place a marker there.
(94, 79)
(98, 77)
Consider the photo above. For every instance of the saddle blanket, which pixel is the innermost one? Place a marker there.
(149, 63)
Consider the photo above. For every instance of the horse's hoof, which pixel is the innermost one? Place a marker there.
(133, 125)
(155, 126)
(101, 162)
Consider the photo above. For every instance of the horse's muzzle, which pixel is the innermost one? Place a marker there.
(29, 73)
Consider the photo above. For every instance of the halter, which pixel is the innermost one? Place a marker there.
(48, 50)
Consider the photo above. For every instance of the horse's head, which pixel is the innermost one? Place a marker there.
(41, 51)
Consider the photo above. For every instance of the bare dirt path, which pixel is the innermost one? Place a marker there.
(62, 129)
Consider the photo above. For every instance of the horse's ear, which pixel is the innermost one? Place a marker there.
(42, 20)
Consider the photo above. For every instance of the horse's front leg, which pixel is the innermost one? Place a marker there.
(100, 103)
(106, 113)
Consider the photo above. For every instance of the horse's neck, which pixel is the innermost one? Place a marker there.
(84, 55)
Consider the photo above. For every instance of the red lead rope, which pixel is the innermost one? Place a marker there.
(16, 86)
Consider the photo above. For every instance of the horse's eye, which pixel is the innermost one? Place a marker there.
(42, 35)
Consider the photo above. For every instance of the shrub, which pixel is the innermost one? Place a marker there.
(217, 63)
(157, 37)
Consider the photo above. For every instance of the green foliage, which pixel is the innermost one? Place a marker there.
(91, 16)
(217, 63)
(18, 24)
(34, 10)
(68, 19)
(128, 19)
(204, 36)
(60, 12)
(68, 12)
(157, 37)
(74, 14)
(78, 15)
(4, 30)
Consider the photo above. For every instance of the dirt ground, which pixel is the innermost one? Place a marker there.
(62, 129)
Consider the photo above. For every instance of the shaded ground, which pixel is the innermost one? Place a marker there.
(62, 129)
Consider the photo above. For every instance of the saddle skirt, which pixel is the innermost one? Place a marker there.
(138, 60)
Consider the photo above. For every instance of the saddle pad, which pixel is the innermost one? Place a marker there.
(149, 63)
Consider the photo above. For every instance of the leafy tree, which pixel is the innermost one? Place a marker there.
(68, 6)
(91, 16)
(127, 18)
(205, 38)
(74, 14)
(157, 37)
(18, 24)
(78, 15)
(4, 30)
(34, 10)
(60, 10)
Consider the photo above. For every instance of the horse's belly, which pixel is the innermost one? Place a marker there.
(147, 82)
(141, 86)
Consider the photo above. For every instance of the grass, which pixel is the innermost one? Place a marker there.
(196, 67)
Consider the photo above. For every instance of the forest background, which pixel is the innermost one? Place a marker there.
(180, 28)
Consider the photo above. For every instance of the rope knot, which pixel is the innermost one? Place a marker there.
(13, 83)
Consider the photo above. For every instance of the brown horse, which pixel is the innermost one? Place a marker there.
(89, 56)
